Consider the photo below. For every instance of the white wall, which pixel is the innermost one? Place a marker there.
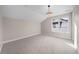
(0, 33)
(76, 22)
(0, 29)
(13, 29)
(46, 28)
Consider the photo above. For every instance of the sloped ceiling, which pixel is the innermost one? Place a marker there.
(33, 12)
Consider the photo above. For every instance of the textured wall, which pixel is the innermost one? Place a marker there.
(46, 26)
(0, 33)
(76, 22)
(13, 29)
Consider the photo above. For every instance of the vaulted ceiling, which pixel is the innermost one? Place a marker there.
(33, 12)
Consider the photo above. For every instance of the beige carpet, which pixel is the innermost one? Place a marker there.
(39, 44)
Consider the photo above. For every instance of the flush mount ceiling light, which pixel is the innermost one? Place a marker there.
(49, 13)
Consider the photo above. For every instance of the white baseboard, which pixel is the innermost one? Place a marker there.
(19, 38)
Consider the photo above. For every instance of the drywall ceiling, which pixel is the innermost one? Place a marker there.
(33, 12)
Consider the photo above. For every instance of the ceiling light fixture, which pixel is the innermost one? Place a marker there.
(49, 13)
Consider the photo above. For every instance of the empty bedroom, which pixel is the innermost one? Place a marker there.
(39, 29)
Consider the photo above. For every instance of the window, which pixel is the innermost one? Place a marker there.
(62, 24)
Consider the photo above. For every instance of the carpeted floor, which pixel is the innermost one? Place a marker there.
(39, 44)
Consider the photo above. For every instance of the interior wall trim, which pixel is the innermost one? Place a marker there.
(19, 38)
